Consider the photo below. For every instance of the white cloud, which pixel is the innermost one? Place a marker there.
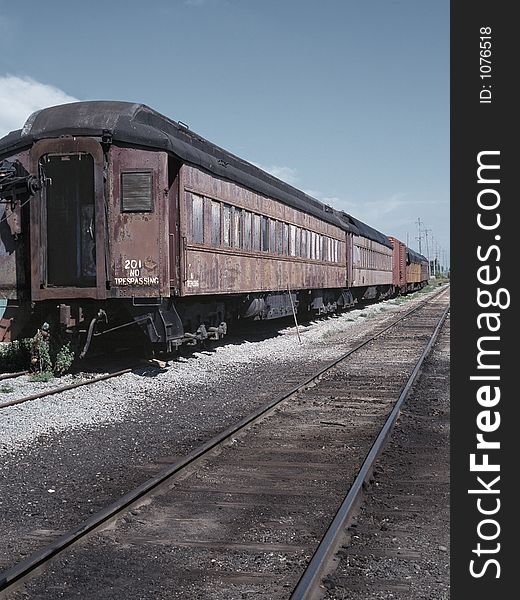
(202, 2)
(330, 200)
(21, 96)
(287, 174)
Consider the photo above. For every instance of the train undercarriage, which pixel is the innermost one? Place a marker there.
(163, 325)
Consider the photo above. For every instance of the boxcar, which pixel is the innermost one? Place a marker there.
(416, 270)
(399, 265)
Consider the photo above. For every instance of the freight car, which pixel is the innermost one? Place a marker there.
(416, 270)
(116, 215)
(410, 269)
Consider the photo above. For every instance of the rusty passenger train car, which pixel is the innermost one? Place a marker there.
(115, 215)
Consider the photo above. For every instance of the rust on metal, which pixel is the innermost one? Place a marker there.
(231, 269)
(139, 262)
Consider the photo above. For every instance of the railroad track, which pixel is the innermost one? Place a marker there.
(62, 388)
(12, 375)
(262, 492)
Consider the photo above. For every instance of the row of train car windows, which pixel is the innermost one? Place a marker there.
(366, 258)
(219, 224)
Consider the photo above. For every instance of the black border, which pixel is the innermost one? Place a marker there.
(477, 127)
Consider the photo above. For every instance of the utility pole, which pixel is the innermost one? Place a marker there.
(434, 263)
(419, 237)
(426, 231)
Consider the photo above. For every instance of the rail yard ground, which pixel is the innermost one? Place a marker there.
(399, 546)
(64, 457)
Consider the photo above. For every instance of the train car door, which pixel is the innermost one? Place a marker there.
(138, 223)
(68, 220)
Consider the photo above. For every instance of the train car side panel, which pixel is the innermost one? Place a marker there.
(372, 263)
(237, 241)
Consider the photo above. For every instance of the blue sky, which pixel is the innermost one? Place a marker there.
(345, 99)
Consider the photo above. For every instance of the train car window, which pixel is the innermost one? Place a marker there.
(304, 244)
(285, 243)
(336, 251)
(256, 232)
(292, 240)
(265, 235)
(227, 225)
(237, 227)
(357, 256)
(215, 223)
(279, 237)
(272, 235)
(298, 241)
(197, 222)
(247, 230)
(136, 192)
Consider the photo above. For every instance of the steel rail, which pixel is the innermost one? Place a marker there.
(308, 585)
(64, 388)
(12, 375)
(26, 566)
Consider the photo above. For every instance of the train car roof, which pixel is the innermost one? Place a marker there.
(139, 125)
(415, 256)
(367, 231)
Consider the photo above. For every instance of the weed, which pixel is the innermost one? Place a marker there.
(15, 356)
(6, 388)
(41, 351)
(54, 357)
(42, 377)
(64, 359)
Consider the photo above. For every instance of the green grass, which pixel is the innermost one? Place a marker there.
(6, 388)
